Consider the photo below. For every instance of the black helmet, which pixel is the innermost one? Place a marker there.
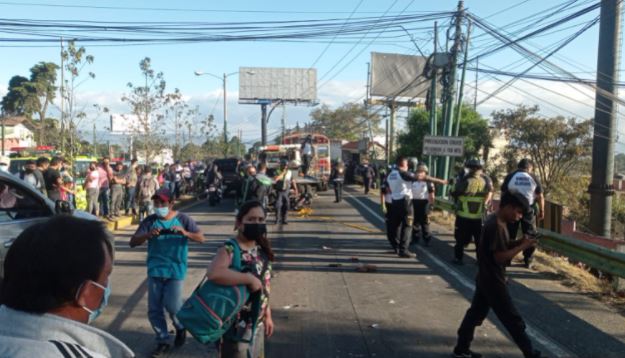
(413, 162)
(474, 163)
(423, 167)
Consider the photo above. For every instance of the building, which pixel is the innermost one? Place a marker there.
(359, 149)
(18, 132)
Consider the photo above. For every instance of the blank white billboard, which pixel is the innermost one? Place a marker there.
(273, 83)
(396, 75)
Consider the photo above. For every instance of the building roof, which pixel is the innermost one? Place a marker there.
(354, 145)
(14, 120)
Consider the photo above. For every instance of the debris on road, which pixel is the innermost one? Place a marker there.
(354, 259)
(391, 302)
(367, 268)
(335, 265)
(326, 248)
(375, 325)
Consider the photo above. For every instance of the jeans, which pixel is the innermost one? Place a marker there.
(501, 303)
(92, 200)
(465, 230)
(164, 294)
(104, 198)
(117, 198)
(338, 190)
(130, 199)
(145, 208)
(282, 205)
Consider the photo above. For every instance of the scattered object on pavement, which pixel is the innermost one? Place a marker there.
(354, 259)
(375, 325)
(392, 302)
(367, 268)
(326, 248)
(335, 265)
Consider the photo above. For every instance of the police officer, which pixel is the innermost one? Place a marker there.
(400, 215)
(422, 201)
(284, 181)
(368, 174)
(472, 193)
(523, 182)
(386, 199)
(337, 177)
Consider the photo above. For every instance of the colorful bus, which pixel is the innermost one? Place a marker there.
(320, 165)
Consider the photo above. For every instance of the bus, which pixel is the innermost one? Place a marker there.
(320, 165)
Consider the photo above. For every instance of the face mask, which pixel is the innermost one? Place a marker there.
(161, 212)
(253, 232)
(93, 314)
(29, 171)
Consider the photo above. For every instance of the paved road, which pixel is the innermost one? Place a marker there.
(324, 308)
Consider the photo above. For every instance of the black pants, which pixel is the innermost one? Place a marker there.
(421, 221)
(399, 226)
(338, 190)
(528, 226)
(282, 205)
(367, 182)
(501, 303)
(466, 230)
(306, 163)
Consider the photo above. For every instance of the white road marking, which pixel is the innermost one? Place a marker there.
(553, 347)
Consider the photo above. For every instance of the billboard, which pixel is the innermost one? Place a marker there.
(272, 83)
(125, 123)
(395, 75)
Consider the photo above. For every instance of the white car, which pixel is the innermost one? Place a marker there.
(21, 205)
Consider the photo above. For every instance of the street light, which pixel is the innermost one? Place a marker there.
(224, 78)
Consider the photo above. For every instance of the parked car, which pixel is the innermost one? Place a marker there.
(21, 205)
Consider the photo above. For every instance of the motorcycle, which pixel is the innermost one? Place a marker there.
(214, 193)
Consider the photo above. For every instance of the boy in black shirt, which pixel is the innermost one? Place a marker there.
(494, 253)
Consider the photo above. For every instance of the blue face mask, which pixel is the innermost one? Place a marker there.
(93, 314)
(161, 212)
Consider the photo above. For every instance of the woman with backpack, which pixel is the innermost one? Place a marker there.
(255, 273)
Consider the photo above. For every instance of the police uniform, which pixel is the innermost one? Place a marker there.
(526, 184)
(388, 201)
(400, 213)
(470, 193)
(421, 191)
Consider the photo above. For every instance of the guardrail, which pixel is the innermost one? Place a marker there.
(595, 256)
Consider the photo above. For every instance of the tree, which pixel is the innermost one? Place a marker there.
(13, 103)
(147, 103)
(473, 128)
(346, 122)
(557, 146)
(75, 60)
(619, 163)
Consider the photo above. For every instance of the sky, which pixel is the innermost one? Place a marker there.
(341, 68)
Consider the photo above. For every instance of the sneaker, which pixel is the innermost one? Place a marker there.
(466, 354)
(160, 350)
(406, 255)
(181, 337)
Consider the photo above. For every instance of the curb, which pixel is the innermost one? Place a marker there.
(126, 221)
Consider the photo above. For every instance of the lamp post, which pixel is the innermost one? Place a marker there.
(223, 79)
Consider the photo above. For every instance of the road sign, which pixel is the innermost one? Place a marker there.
(443, 146)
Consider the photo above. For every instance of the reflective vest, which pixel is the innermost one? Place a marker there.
(470, 207)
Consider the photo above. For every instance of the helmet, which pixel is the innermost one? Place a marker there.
(474, 163)
(413, 162)
(422, 167)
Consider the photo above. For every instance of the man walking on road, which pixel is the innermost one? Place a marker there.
(118, 182)
(167, 233)
(494, 252)
(522, 181)
(284, 183)
(368, 175)
(337, 177)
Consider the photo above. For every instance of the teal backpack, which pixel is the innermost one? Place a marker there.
(212, 309)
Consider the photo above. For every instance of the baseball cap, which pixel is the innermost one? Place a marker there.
(163, 194)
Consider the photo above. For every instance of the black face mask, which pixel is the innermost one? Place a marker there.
(253, 232)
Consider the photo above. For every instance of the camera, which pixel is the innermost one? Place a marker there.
(169, 232)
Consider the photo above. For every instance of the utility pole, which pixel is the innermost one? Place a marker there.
(367, 108)
(62, 90)
(263, 125)
(225, 118)
(477, 70)
(386, 139)
(283, 122)
(461, 88)
(95, 143)
(433, 96)
(450, 90)
(601, 187)
(391, 129)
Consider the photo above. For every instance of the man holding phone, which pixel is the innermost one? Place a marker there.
(167, 233)
(494, 253)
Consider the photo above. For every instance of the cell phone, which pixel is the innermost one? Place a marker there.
(536, 236)
(169, 232)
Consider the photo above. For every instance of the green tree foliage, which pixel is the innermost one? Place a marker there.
(148, 101)
(558, 146)
(473, 127)
(619, 163)
(32, 96)
(346, 122)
